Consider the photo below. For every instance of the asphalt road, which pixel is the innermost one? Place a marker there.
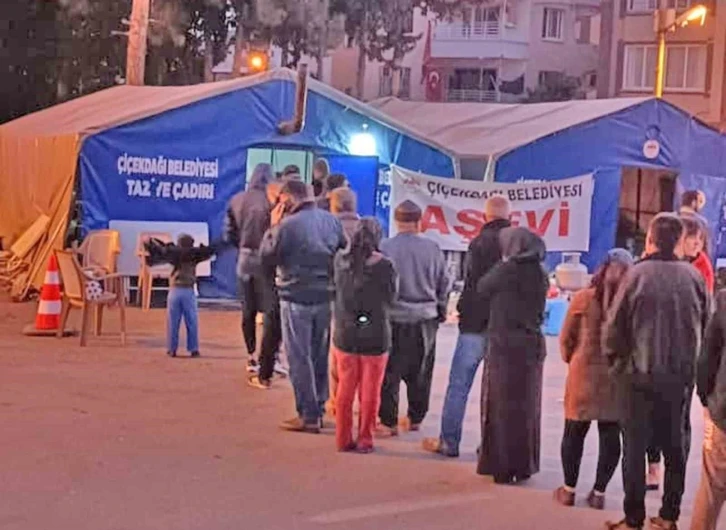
(111, 438)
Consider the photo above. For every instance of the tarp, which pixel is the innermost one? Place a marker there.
(213, 122)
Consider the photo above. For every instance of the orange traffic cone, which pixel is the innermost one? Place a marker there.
(47, 321)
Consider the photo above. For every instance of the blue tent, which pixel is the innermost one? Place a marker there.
(185, 161)
(550, 141)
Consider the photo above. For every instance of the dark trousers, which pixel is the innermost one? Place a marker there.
(412, 357)
(251, 292)
(653, 412)
(654, 449)
(271, 339)
(573, 444)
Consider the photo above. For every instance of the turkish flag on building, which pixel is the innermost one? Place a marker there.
(430, 75)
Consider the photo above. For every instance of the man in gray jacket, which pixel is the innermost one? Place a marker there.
(415, 318)
(248, 218)
(652, 339)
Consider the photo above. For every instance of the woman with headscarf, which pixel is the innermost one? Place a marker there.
(514, 293)
(590, 391)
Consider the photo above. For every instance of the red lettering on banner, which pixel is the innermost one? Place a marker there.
(543, 225)
(472, 221)
(564, 229)
(434, 219)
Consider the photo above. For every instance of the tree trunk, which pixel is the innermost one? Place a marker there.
(396, 82)
(208, 59)
(136, 50)
(239, 46)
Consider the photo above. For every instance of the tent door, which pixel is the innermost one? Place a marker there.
(362, 174)
(643, 194)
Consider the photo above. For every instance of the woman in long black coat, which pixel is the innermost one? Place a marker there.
(514, 293)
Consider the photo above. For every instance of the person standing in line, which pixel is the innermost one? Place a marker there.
(270, 312)
(415, 318)
(513, 293)
(302, 244)
(590, 391)
(247, 220)
(693, 251)
(652, 337)
(321, 170)
(343, 204)
(712, 393)
(366, 285)
(483, 254)
(694, 245)
(334, 182)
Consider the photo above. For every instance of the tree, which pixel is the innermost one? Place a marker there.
(564, 88)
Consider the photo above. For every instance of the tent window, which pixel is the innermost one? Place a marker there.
(279, 159)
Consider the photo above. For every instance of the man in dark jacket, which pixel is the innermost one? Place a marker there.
(484, 252)
(652, 338)
(415, 317)
(712, 392)
(302, 247)
(248, 218)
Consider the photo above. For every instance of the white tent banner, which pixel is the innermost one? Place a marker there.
(558, 210)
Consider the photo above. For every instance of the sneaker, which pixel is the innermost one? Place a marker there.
(622, 525)
(255, 382)
(596, 501)
(297, 424)
(196, 354)
(652, 479)
(252, 366)
(564, 497)
(350, 448)
(280, 370)
(171, 353)
(658, 523)
(436, 446)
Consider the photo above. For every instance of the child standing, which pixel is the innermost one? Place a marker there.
(182, 299)
(365, 284)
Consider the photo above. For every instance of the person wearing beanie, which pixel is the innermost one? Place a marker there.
(181, 303)
(590, 391)
(415, 318)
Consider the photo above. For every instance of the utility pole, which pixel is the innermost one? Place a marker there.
(136, 49)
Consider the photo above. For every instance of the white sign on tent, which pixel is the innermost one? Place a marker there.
(558, 210)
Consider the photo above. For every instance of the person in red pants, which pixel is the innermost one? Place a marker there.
(366, 285)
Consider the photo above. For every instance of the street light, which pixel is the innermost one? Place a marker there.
(697, 12)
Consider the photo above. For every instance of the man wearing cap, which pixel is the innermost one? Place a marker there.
(301, 246)
(415, 317)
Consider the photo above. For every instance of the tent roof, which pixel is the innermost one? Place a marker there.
(125, 104)
(477, 130)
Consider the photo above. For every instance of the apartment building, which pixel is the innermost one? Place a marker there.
(695, 56)
(492, 52)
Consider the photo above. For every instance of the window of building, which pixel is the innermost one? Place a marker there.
(408, 22)
(550, 78)
(385, 83)
(685, 68)
(553, 24)
(643, 6)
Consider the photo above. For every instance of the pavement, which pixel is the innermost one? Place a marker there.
(113, 438)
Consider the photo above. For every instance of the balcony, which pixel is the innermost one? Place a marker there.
(478, 40)
(475, 95)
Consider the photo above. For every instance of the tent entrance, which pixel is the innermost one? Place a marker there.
(643, 194)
